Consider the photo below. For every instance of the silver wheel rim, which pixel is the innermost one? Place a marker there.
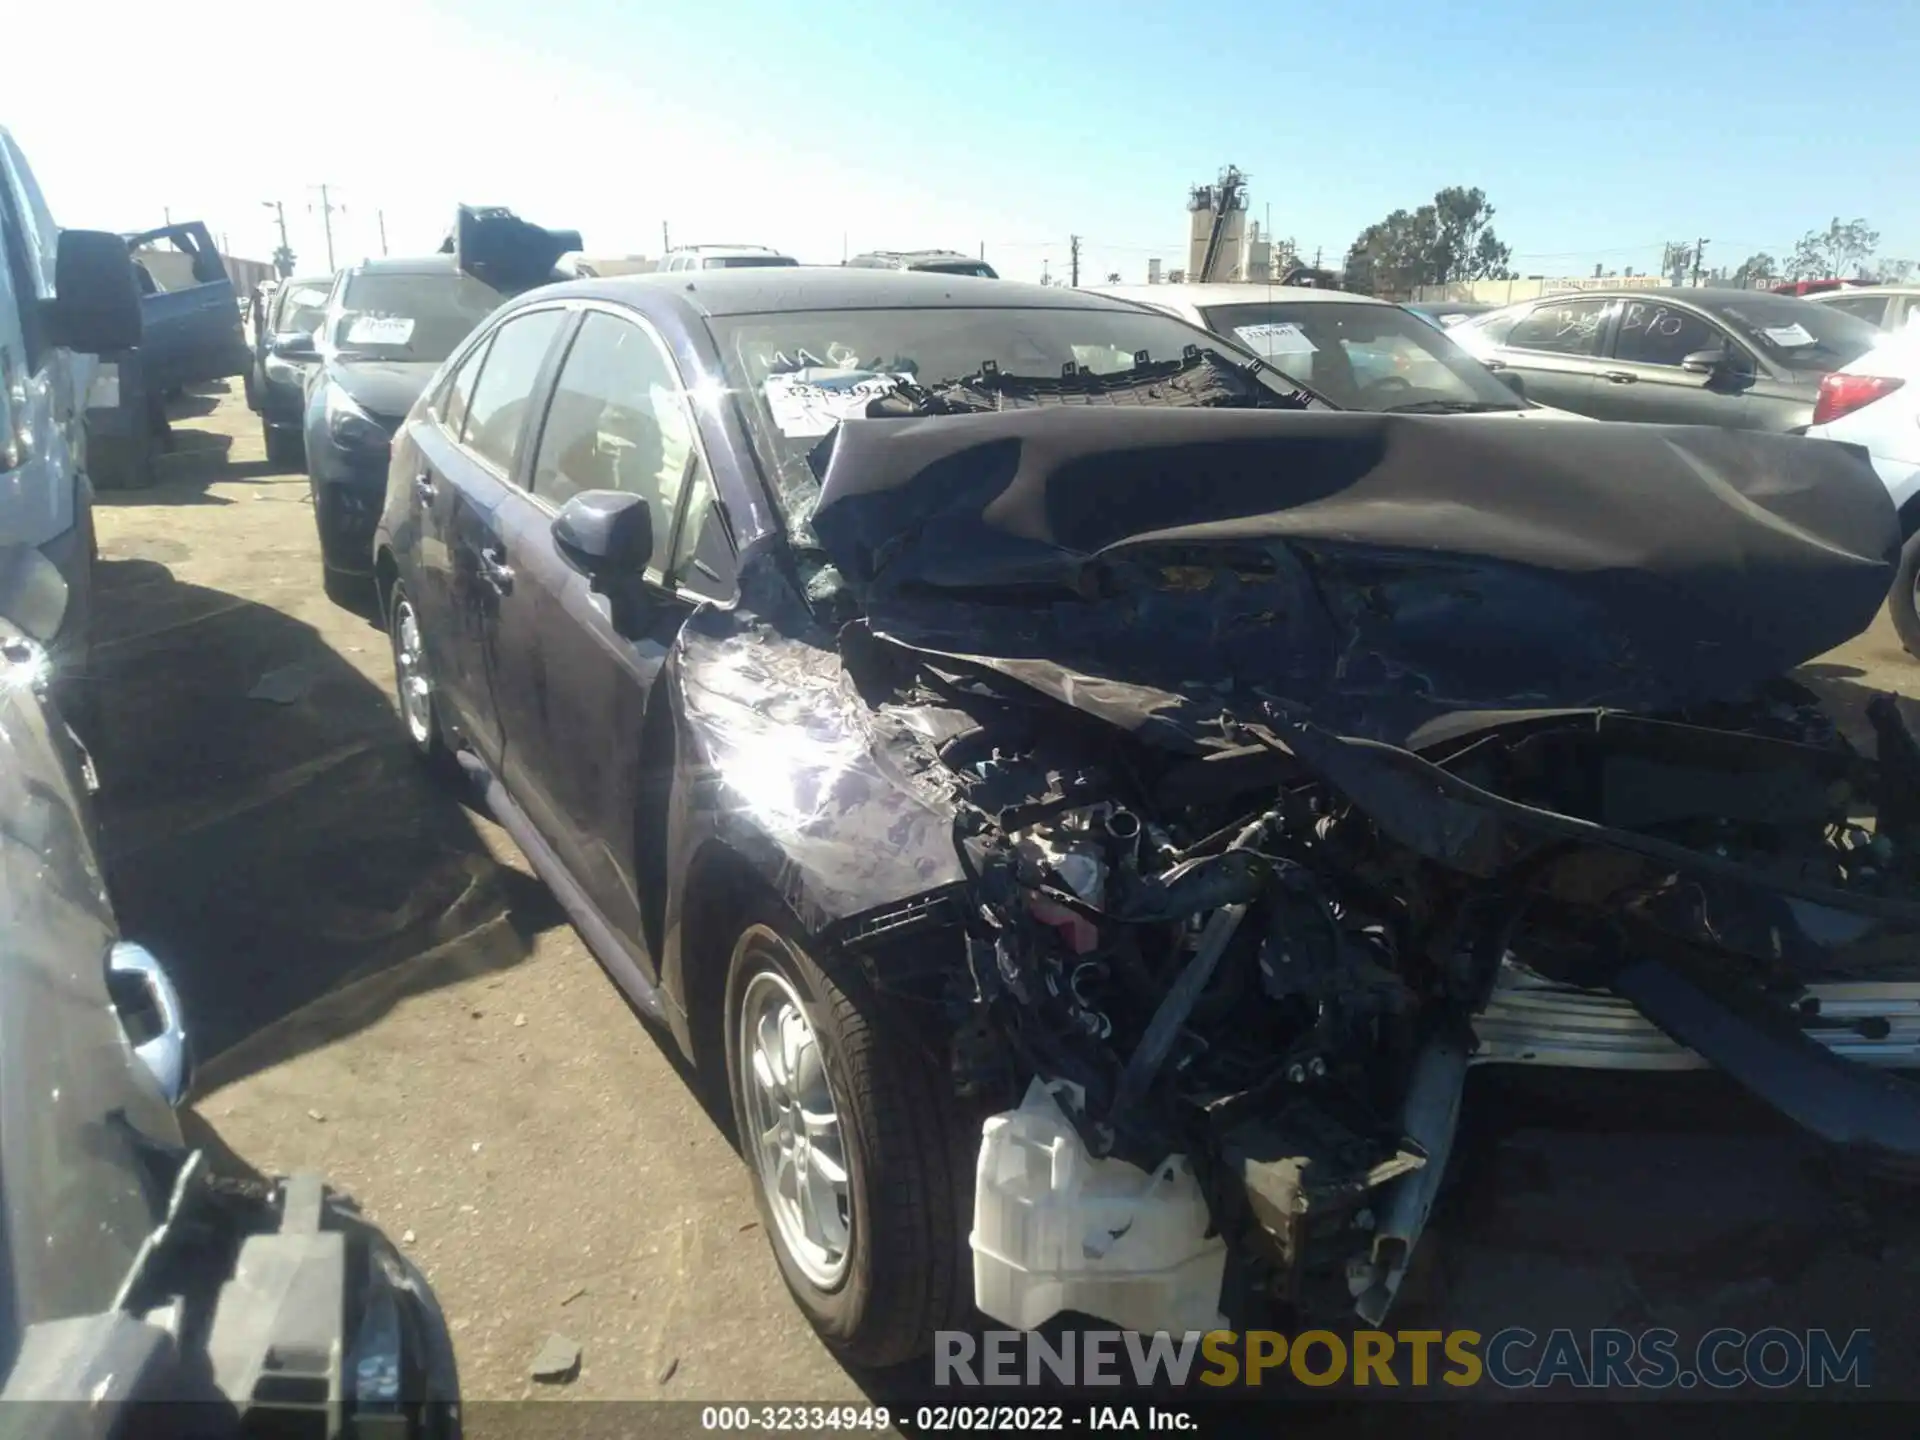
(410, 675)
(793, 1131)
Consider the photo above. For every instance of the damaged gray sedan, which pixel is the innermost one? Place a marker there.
(1091, 804)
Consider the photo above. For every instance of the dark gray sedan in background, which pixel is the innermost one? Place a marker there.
(1744, 359)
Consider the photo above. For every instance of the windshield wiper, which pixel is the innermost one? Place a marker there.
(1450, 407)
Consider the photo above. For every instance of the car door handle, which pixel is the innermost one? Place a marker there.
(495, 571)
(424, 487)
(1619, 377)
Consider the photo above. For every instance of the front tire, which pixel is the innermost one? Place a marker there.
(860, 1160)
(285, 447)
(1901, 599)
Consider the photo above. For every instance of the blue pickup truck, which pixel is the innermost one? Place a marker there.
(190, 334)
(190, 328)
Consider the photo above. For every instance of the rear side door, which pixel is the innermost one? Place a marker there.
(1643, 379)
(472, 503)
(190, 321)
(1555, 348)
(576, 668)
(426, 462)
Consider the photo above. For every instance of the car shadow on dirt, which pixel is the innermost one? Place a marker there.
(267, 832)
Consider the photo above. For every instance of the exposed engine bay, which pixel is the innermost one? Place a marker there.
(1272, 741)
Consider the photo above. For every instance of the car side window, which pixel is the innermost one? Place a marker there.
(21, 272)
(1561, 327)
(1870, 308)
(703, 551)
(618, 421)
(1655, 334)
(451, 404)
(497, 405)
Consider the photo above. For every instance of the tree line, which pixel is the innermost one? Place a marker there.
(1452, 239)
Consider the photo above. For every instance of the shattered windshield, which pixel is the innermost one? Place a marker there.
(800, 373)
(1365, 357)
(413, 318)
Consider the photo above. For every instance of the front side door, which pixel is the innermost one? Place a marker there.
(1643, 381)
(574, 688)
(475, 504)
(1555, 349)
(190, 324)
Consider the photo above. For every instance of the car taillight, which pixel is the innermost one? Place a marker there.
(1843, 394)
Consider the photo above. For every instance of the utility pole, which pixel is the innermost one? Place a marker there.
(983, 251)
(166, 214)
(1699, 250)
(843, 247)
(381, 216)
(1316, 256)
(1046, 272)
(327, 207)
(283, 257)
(665, 243)
(1074, 262)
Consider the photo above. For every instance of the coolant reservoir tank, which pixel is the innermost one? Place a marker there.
(1055, 1229)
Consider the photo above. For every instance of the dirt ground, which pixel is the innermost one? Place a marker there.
(381, 990)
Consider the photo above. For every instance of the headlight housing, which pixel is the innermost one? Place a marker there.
(350, 427)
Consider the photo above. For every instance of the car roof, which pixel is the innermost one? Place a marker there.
(724, 250)
(412, 265)
(1233, 294)
(917, 255)
(770, 290)
(1827, 297)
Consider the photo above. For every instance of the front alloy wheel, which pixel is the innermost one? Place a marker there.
(793, 1130)
(861, 1160)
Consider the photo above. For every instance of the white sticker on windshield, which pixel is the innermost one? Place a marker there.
(379, 330)
(1280, 337)
(808, 403)
(1787, 336)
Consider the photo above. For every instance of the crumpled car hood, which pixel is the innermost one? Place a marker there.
(1370, 573)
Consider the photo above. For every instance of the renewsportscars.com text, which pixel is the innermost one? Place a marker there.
(1514, 1359)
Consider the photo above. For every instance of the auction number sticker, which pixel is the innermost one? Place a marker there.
(806, 404)
(379, 330)
(1280, 337)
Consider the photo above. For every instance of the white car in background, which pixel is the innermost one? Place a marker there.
(1875, 403)
(1891, 307)
(1358, 352)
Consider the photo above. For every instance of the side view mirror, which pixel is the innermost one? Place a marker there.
(605, 532)
(1704, 362)
(96, 298)
(1513, 380)
(292, 345)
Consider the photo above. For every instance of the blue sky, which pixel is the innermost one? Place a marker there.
(1598, 131)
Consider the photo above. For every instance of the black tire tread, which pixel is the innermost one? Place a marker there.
(1900, 609)
(921, 1274)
